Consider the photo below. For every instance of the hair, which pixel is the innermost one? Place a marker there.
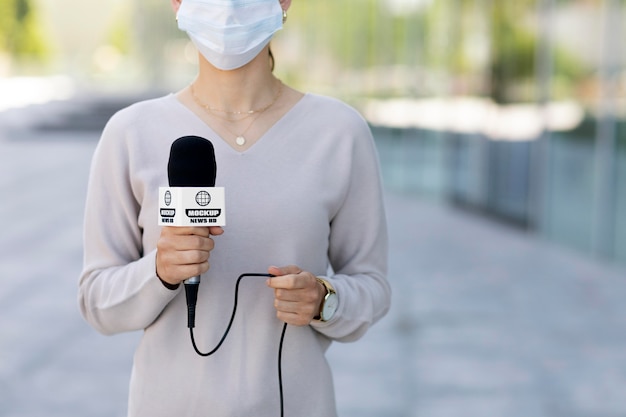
(272, 61)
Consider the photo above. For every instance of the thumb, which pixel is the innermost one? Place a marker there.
(284, 270)
(215, 230)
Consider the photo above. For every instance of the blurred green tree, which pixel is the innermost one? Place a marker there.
(513, 47)
(510, 30)
(442, 37)
(515, 42)
(20, 33)
(358, 33)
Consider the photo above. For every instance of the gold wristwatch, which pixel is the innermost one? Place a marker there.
(330, 302)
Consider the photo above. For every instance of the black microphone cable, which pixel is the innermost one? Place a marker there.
(191, 293)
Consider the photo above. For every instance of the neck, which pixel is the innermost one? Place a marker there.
(241, 89)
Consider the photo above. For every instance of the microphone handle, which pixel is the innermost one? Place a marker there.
(191, 294)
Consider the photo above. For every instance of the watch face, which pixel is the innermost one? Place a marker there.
(330, 306)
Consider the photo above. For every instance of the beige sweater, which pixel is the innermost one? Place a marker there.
(307, 193)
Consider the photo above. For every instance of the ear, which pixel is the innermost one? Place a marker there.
(284, 4)
(175, 4)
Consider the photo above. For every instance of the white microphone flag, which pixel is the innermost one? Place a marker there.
(191, 206)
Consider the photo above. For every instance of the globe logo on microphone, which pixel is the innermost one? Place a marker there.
(168, 198)
(203, 198)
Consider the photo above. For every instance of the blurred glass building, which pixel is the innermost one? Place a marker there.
(516, 109)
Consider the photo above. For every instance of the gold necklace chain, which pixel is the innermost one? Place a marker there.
(246, 113)
(240, 138)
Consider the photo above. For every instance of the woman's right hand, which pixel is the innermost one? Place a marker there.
(183, 252)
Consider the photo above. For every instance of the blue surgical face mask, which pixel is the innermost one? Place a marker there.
(230, 33)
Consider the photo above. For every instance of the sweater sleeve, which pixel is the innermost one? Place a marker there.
(118, 288)
(358, 248)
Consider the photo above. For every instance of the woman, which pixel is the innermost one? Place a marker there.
(303, 192)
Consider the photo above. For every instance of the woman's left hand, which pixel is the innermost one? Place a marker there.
(297, 294)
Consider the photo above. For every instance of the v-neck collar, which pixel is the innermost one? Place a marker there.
(222, 142)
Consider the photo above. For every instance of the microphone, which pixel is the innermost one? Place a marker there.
(191, 198)
(192, 164)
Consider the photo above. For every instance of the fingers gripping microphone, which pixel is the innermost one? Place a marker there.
(191, 171)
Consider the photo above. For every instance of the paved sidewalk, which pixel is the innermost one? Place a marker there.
(487, 321)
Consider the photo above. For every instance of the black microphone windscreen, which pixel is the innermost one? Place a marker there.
(192, 163)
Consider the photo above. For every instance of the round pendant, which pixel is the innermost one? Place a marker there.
(240, 140)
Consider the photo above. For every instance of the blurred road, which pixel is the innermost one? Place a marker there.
(487, 321)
